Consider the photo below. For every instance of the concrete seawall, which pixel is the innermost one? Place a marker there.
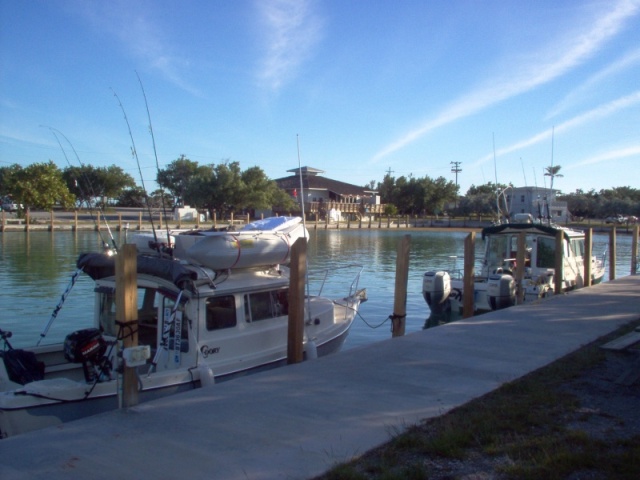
(298, 421)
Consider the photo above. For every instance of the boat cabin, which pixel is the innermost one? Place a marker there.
(501, 249)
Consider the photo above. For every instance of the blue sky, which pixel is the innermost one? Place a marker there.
(364, 87)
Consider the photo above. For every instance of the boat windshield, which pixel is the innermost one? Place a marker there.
(503, 249)
(496, 250)
(546, 252)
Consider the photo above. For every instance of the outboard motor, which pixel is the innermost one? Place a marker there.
(88, 347)
(436, 287)
(501, 290)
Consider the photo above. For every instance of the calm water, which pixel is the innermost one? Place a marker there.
(35, 269)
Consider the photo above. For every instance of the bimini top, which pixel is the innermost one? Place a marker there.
(536, 228)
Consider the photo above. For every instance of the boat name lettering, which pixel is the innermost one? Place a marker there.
(206, 350)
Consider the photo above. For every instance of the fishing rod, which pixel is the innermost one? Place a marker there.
(55, 132)
(155, 154)
(77, 273)
(63, 298)
(134, 152)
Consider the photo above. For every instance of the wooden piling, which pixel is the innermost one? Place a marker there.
(559, 264)
(612, 253)
(399, 317)
(588, 253)
(127, 315)
(139, 221)
(75, 221)
(98, 221)
(119, 221)
(469, 273)
(51, 220)
(520, 266)
(297, 269)
(634, 250)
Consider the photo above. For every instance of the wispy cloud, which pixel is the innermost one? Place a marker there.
(139, 36)
(292, 28)
(616, 154)
(589, 116)
(541, 68)
(628, 60)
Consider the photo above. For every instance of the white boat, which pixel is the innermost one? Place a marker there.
(495, 286)
(198, 322)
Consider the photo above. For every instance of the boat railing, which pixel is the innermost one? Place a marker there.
(323, 275)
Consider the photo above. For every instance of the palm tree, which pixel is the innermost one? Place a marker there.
(552, 171)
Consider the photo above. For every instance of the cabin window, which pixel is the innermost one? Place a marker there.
(546, 252)
(221, 312)
(264, 305)
(107, 312)
(147, 306)
(577, 247)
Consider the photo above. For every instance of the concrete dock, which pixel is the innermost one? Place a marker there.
(298, 421)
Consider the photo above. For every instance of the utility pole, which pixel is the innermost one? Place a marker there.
(456, 169)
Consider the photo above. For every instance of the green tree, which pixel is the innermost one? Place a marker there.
(91, 184)
(176, 178)
(134, 197)
(259, 191)
(41, 186)
(113, 180)
(7, 181)
(417, 195)
(552, 171)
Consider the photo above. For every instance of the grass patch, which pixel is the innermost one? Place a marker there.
(518, 430)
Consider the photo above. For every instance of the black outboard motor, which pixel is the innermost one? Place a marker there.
(88, 347)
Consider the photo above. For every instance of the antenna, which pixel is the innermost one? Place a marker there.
(523, 174)
(301, 186)
(304, 226)
(495, 165)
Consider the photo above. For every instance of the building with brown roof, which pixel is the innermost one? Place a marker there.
(322, 194)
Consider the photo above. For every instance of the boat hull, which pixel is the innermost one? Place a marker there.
(58, 399)
(17, 418)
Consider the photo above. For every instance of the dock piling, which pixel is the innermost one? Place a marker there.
(398, 319)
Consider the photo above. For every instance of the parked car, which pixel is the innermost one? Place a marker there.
(11, 207)
(619, 219)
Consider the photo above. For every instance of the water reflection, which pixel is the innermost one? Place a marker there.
(35, 268)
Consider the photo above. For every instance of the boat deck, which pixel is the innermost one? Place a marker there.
(298, 421)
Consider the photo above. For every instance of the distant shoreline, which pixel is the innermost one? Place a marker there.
(133, 220)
